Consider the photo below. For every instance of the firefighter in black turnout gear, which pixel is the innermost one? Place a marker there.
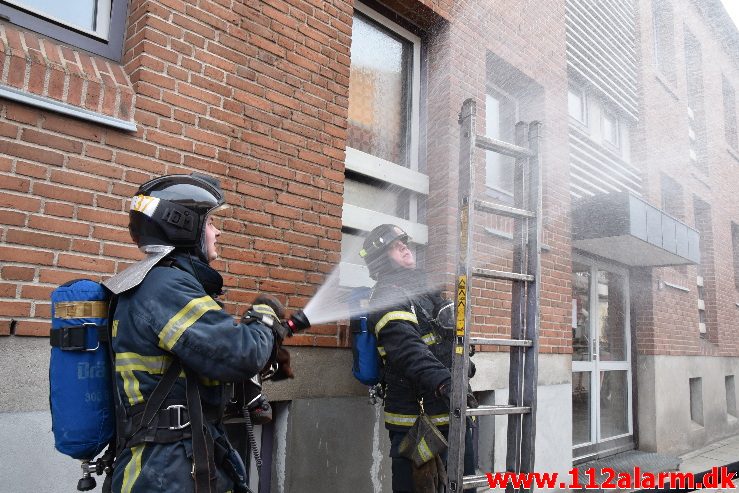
(413, 325)
(174, 346)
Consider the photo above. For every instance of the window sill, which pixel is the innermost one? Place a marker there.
(670, 88)
(42, 73)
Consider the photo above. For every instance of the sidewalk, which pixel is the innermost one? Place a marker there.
(718, 453)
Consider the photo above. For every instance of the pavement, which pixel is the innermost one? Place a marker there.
(719, 453)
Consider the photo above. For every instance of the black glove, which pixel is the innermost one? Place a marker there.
(445, 390)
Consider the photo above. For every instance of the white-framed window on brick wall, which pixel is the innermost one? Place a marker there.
(729, 112)
(383, 181)
(664, 39)
(501, 115)
(96, 26)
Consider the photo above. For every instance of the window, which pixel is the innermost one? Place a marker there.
(735, 245)
(696, 109)
(610, 129)
(705, 272)
(672, 197)
(500, 122)
(576, 105)
(383, 183)
(729, 113)
(92, 25)
(664, 42)
(696, 400)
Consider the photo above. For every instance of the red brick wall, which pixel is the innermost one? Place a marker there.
(530, 44)
(253, 93)
(669, 323)
(257, 94)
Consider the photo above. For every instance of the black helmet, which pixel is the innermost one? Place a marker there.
(375, 247)
(173, 210)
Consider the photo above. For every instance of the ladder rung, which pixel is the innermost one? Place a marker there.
(501, 342)
(502, 210)
(475, 481)
(501, 147)
(504, 409)
(499, 274)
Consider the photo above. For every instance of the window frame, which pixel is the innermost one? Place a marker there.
(497, 191)
(411, 179)
(584, 113)
(111, 48)
(664, 55)
(730, 119)
(606, 114)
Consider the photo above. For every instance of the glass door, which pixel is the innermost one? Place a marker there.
(601, 361)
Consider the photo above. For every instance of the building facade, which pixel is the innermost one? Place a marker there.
(323, 119)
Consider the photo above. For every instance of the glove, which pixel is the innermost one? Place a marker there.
(445, 390)
(431, 477)
(282, 362)
(269, 311)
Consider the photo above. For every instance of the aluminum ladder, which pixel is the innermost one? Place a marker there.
(525, 291)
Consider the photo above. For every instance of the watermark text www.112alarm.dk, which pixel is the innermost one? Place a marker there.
(717, 477)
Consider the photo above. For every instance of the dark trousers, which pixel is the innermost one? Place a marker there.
(402, 468)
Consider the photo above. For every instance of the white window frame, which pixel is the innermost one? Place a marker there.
(361, 219)
(584, 113)
(611, 116)
(106, 41)
(496, 190)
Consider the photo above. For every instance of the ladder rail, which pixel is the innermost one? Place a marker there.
(525, 294)
(518, 292)
(460, 360)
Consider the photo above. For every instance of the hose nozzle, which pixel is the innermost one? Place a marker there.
(298, 321)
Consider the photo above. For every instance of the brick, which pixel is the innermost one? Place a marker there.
(63, 193)
(125, 141)
(16, 183)
(102, 216)
(46, 139)
(85, 246)
(12, 218)
(33, 328)
(95, 168)
(86, 263)
(34, 154)
(22, 114)
(30, 169)
(50, 224)
(111, 234)
(32, 238)
(56, 277)
(15, 308)
(13, 273)
(36, 292)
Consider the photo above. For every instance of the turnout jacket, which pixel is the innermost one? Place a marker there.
(172, 313)
(416, 354)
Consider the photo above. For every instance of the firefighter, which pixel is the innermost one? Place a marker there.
(413, 325)
(174, 345)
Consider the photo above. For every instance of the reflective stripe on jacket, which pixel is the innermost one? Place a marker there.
(170, 314)
(413, 354)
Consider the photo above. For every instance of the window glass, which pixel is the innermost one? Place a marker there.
(500, 121)
(379, 92)
(92, 16)
(96, 26)
(576, 105)
(610, 129)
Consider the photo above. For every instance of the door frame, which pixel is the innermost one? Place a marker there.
(602, 447)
